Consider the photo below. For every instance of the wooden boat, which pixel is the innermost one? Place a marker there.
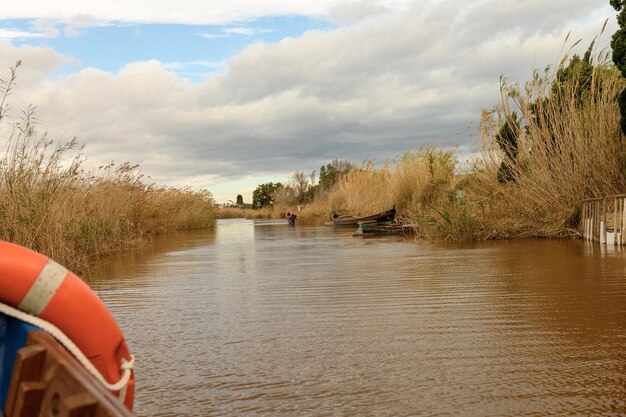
(48, 381)
(378, 229)
(385, 216)
(61, 351)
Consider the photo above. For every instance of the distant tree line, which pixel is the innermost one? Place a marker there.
(302, 187)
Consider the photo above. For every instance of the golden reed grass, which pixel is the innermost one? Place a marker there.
(50, 204)
(570, 148)
(414, 182)
(230, 213)
(248, 213)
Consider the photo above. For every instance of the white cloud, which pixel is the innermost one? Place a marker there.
(45, 27)
(348, 12)
(77, 24)
(212, 35)
(374, 88)
(13, 34)
(38, 64)
(161, 11)
(240, 31)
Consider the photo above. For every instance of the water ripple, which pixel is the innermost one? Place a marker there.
(262, 319)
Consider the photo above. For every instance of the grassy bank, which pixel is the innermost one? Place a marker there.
(416, 181)
(51, 204)
(563, 144)
(247, 213)
(568, 147)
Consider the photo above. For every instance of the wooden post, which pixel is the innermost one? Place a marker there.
(597, 222)
(595, 219)
(623, 236)
(614, 220)
(592, 219)
(583, 224)
(590, 214)
(589, 219)
(585, 209)
(602, 223)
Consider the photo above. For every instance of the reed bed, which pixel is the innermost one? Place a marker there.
(231, 213)
(273, 212)
(49, 203)
(248, 213)
(569, 147)
(412, 183)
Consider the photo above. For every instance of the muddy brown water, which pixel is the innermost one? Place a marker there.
(258, 318)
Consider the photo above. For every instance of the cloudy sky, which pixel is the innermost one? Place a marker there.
(227, 95)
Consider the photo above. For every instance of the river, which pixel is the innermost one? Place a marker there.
(258, 318)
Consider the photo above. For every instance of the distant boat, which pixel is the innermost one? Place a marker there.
(385, 216)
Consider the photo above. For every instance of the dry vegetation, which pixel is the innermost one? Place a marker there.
(568, 147)
(419, 179)
(230, 213)
(248, 213)
(50, 204)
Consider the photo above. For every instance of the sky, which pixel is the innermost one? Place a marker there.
(225, 96)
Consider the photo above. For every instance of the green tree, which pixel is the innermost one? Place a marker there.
(507, 140)
(330, 173)
(239, 200)
(618, 45)
(263, 195)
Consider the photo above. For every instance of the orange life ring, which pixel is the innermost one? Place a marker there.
(39, 286)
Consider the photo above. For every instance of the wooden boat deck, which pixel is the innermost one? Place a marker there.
(48, 381)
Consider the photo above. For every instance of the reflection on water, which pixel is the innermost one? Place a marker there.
(261, 318)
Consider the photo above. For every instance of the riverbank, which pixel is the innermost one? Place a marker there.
(248, 213)
(50, 203)
(547, 146)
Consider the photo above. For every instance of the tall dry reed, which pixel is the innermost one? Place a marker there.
(50, 204)
(273, 212)
(230, 213)
(413, 184)
(569, 148)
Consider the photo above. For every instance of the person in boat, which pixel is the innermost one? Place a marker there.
(291, 218)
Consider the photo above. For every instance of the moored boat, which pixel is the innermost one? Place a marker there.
(379, 229)
(385, 216)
